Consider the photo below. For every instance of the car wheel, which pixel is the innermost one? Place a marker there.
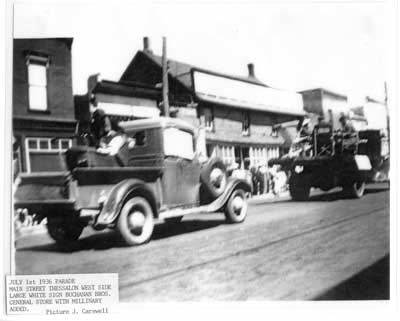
(236, 207)
(299, 188)
(64, 231)
(135, 223)
(355, 189)
(214, 177)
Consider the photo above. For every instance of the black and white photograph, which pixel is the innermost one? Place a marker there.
(201, 151)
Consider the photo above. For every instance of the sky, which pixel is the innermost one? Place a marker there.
(294, 46)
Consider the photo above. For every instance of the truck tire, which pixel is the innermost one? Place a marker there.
(236, 207)
(64, 231)
(354, 189)
(299, 188)
(135, 223)
(214, 177)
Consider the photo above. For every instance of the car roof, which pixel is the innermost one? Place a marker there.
(159, 122)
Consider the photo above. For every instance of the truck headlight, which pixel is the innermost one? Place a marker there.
(298, 169)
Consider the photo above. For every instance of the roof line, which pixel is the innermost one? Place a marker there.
(326, 91)
(193, 68)
(232, 77)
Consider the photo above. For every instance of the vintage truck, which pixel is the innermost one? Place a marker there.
(329, 159)
(156, 175)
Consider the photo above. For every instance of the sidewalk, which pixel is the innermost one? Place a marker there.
(24, 231)
(268, 197)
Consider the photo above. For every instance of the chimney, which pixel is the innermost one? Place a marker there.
(146, 45)
(251, 70)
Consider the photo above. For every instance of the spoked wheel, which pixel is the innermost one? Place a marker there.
(236, 207)
(63, 230)
(136, 223)
(214, 178)
(355, 189)
(218, 180)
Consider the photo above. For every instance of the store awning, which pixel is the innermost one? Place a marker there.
(226, 91)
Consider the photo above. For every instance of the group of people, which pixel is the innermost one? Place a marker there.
(346, 132)
(346, 126)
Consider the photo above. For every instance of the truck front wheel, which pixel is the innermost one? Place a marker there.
(236, 207)
(64, 230)
(213, 177)
(299, 189)
(136, 223)
(354, 189)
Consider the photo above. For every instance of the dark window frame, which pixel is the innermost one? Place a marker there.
(210, 127)
(246, 124)
(40, 59)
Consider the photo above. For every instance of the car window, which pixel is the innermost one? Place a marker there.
(178, 143)
(137, 139)
(140, 138)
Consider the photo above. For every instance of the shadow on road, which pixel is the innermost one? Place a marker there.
(338, 195)
(166, 230)
(372, 283)
(109, 239)
(372, 190)
(323, 196)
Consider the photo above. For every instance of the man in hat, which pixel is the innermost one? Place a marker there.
(349, 133)
(304, 130)
(347, 126)
(110, 137)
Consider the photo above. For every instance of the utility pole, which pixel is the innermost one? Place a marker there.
(165, 78)
(387, 111)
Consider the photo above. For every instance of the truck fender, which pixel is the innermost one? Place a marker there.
(233, 184)
(119, 193)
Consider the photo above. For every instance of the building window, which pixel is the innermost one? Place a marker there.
(274, 132)
(246, 123)
(273, 152)
(258, 156)
(42, 152)
(209, 119)
(37, 81)
(227, 153)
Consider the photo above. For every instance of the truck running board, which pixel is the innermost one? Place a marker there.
(186, 211)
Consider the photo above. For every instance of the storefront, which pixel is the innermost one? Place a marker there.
(244, 156)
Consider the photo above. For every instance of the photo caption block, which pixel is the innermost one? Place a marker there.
(62, 293)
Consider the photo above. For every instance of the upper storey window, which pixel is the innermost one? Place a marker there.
(37, 81)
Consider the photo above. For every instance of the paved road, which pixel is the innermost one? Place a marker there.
(284, 250)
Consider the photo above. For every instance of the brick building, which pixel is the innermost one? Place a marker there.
(43, 109)
(236, 113)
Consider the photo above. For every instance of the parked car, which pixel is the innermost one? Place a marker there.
(158, 177)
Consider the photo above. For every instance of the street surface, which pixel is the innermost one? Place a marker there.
(321, 249)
